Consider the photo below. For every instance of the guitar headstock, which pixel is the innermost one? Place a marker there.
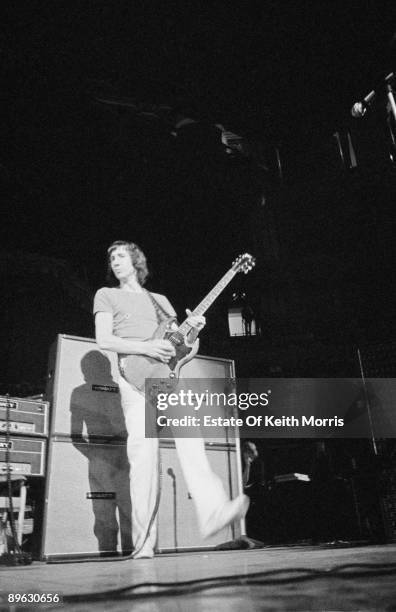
(244, 263)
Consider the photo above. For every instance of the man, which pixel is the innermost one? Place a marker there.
(125, 320)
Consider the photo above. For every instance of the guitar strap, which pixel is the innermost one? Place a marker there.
(160, 311)
(161, 315)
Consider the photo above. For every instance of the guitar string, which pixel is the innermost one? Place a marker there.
(162, 315)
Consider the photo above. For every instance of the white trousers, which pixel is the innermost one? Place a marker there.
(205, 486)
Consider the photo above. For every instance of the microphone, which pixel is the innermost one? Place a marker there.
(359, 109)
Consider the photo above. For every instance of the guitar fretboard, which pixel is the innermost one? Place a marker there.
(209, 299)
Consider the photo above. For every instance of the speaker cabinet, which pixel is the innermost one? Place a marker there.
(83, 387)
(177, 521)
(87, 504)
(83, 390)
(88, 507)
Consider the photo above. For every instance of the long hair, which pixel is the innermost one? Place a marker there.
(138, 259)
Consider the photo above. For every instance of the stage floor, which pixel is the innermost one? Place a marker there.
(297, 578)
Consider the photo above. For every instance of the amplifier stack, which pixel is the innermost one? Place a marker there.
(81, 505)
(87, 498)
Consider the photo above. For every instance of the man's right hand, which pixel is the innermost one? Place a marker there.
(162, 350)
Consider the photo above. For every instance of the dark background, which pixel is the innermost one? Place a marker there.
(92, 93)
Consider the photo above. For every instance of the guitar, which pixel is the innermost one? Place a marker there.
(136, 368)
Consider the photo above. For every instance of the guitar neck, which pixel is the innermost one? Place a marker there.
(209, 299)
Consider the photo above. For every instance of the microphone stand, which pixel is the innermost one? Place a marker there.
(392, 104)
(367, 402)
(390, 94)
(392, 134)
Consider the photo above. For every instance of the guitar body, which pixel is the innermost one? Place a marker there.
(136, 368)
